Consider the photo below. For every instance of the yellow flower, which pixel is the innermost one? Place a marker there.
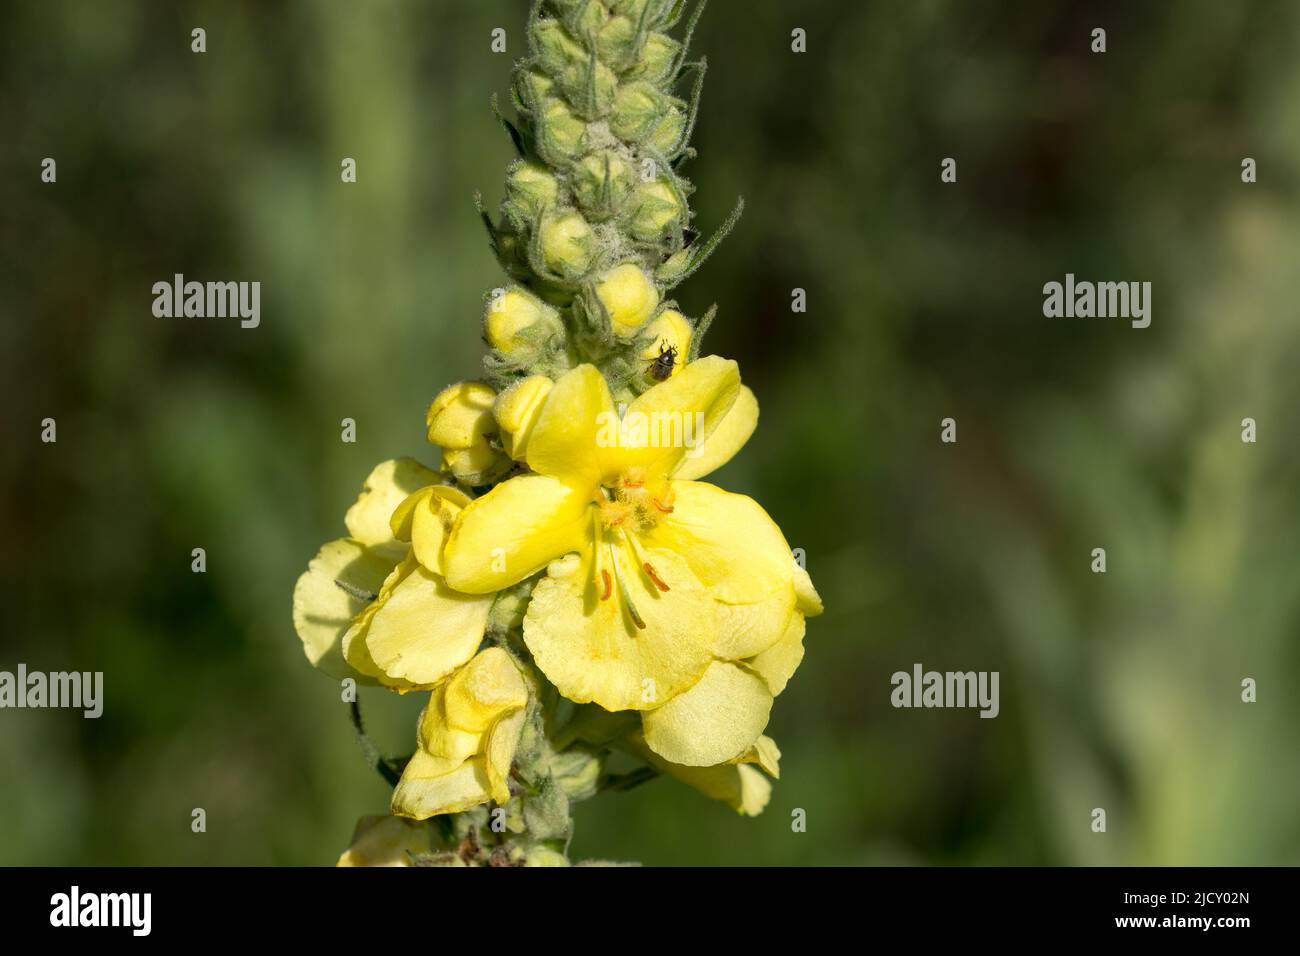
(467, 738)
(669, 330)
(629, 297)
(662, 594)
(368, 608)
(516, 411)
(386, 841)
(460, 421)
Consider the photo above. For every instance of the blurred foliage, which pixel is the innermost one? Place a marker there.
(1119, 690)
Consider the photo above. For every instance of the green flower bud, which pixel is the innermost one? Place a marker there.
(593, 99)
(656, 205)
(577, 771)
(532, 188)
(633, 9)
(674, 266)
(556, 49)
(571, 65)
(582, 17)
(509, 607)
(568, 245)
(667, 135)
(512, 251)
(533, 87)
(655, 64)
(638, 108)
(602, 182)
(540, 855)
(560, 132)
(614, 42)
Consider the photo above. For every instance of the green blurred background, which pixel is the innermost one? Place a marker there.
(1119, 691)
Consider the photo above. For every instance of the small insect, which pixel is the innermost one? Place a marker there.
(660, 368)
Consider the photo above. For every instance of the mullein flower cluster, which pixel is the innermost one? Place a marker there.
(583, 611)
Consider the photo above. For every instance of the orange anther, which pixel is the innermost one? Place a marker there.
(650, 572)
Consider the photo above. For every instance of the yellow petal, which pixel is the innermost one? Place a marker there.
(810, 602)
(485, 689)
(517, 410)
(766, 754)
(719, 718)
(739, 786)
(514, 531)
(566, 441)
(467, 738)
(682, 413)
(386, 488)
(731, 543)
(745, 630)
(592, 650)
(353, 643)
(777, 664)
(386, 841)
(425, 519)
(725, 440)
(323, 611)
(425, 630)
(502, 742)
(421, 796)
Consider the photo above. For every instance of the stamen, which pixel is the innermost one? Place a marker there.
(646, 566)
(658, 581)
(666, 509)
(597, 572)
(609, 587)
(361, 594)
(623, 591)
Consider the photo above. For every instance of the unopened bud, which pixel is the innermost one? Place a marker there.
(674, 266)
(533, 87)
(638, 108)
(658, 56)
(460, 421)
(518, 324)
(560, 131)
(541, 855)
(532, 188)
(602, 182)
(460, 414)
(592, 97)
(556, 49)
(668, 332)
(667, 135)
(568, 244)
(583, 17)
(656, 204)
(633, 9)
(578, 771)
(629, 298)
